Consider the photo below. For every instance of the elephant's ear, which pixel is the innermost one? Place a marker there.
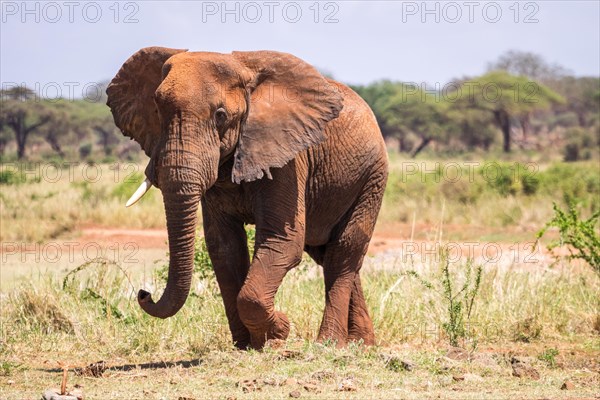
(290, 104)
(131, 95)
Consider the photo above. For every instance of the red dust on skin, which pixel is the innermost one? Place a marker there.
(260, 138)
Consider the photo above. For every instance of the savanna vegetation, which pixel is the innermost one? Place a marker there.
(519, 175)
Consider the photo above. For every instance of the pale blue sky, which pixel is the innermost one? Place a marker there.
(370, 40)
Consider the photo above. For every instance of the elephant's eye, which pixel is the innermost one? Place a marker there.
(220, 117)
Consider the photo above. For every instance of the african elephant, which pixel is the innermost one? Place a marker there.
(262, 138)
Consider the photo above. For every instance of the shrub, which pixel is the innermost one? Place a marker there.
(8, 177)
(571, 152)
(510, 179)
(573, 182)
(580, 143)
(579, 235)
(549, 357)
(85, 150)
(459, 302)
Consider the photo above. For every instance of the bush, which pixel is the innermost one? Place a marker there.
(8, 177)
(459, 299)
(549, 357)
(510, 179)
(579, 235)
(85, 150)
(571, 152)
(575, 183)
(580, 143)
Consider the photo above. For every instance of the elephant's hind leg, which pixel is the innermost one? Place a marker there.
(346, 316)
(360, 326)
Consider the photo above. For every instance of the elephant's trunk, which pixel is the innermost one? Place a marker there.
(181, 211)
(183, 178)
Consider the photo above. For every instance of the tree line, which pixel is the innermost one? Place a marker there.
(81, 128)
(521, 100)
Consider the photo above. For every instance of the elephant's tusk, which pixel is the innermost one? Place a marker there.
(139, 193)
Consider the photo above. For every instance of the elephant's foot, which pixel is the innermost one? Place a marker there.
(279, 329)
(332, 333)
(361, 329)
(241, 339)
(360, 326)
(337, 341)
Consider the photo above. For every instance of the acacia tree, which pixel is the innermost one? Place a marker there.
(531, 65)
(422, 113)
(471, 127)
(505, 97)
(582, 96)
(534, 67)
(22, 115)
(377, 96)
(56, 129)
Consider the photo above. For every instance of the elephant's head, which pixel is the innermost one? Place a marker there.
(191, 112)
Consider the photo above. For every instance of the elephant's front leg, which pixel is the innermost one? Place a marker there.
(227, 246)
(279, 211)
(272, 260)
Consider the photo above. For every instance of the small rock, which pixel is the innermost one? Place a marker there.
(457, 354)
(447, 364)
(10, 382)
(290, 354)
(290, 382)
(77, 393)
(95, 369)
(295, 394)
(309, 387)
(396, 364)
(52, 395)
(249, 385)
(270, 381)
(484, 359)
(323, 375)
(522, 360)
(472, 378)
(487, 362)
(408, 365)
(347, 385)
(568, 385)
(525, 371)
(458, 378)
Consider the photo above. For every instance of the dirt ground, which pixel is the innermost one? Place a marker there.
(411, 371)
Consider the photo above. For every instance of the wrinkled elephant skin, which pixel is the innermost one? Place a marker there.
(258, 138)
